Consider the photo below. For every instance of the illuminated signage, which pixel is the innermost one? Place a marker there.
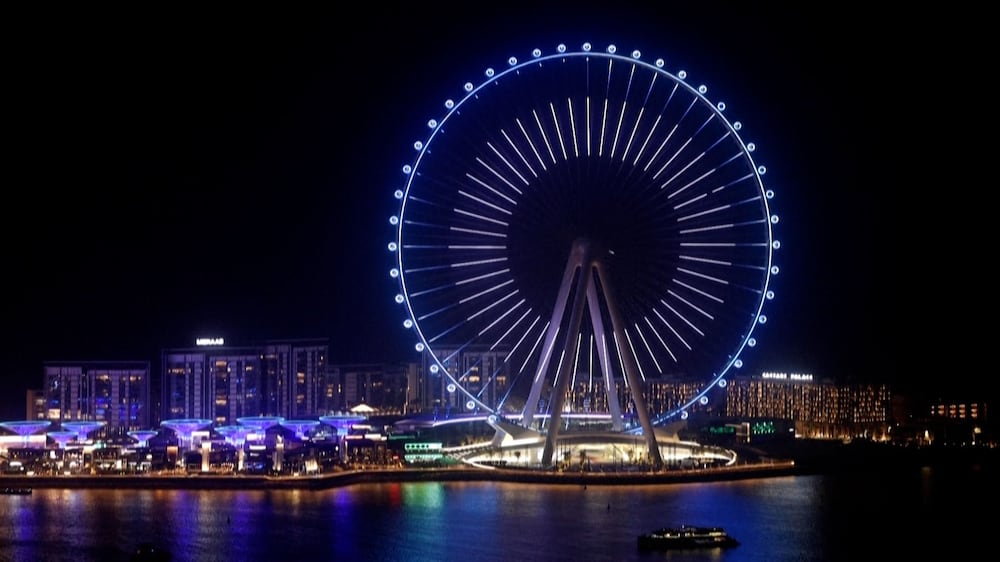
(786, 376)
(209, 341)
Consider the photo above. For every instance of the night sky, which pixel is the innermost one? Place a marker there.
(176, 175)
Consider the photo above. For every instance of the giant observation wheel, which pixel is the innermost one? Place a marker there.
(583, 231)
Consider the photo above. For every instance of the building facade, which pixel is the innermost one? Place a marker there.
(389, 388)
(482, 372)
(223, 383)
(114, 392)
(819, 409)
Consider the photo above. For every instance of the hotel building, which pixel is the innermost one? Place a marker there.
(818, 408)
(222, 383)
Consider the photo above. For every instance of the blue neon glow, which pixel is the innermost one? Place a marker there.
(715, 231)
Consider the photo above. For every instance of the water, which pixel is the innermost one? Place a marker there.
(912, 514)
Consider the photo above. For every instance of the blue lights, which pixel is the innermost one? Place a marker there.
(461, 215)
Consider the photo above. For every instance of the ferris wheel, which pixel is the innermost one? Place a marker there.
(596, 225)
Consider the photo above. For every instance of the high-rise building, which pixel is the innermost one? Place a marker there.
(818, 408)
(114, 392)
(299, 370)
(386, 387)
(223, 383)
(482, 372)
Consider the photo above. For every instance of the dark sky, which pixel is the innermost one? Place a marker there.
(181, 174)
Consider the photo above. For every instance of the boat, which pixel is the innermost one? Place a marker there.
(15, 491)
(686, 536)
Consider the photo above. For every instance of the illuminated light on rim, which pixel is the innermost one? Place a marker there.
(460, 247)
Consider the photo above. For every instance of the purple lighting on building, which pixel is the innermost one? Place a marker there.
(142, 436)
(25, 428)
(342, 422)
(300, 427)
(62, 437)
(82, 428)
(235, 435)
(184, 428)
(260, 424)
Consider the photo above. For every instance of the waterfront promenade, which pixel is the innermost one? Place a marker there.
(348, 477)
(801, 457)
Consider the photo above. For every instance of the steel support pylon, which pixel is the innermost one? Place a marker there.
(583, 269)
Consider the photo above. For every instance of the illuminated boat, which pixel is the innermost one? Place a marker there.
(686, 536)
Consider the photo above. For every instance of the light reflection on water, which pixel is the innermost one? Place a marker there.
(823, 517)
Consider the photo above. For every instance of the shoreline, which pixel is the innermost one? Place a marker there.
(779, 460)
(346, 478)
